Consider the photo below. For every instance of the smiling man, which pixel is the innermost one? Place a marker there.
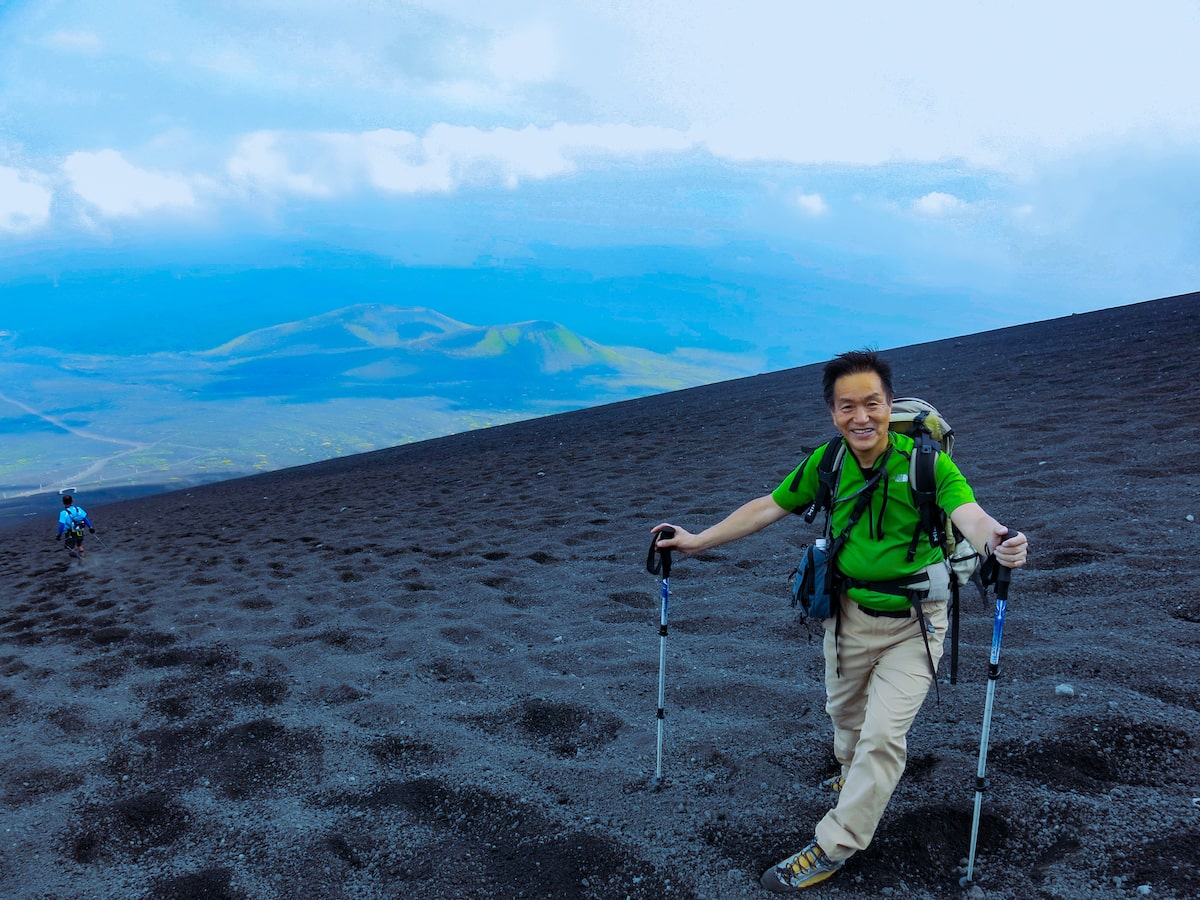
(884, 641)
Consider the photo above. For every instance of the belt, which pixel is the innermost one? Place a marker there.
(886, 613)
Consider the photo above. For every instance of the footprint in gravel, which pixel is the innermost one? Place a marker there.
(1092, 754)
(213, 884)
(126, 828)
(563, 729)
(526, 849)
(251, 760)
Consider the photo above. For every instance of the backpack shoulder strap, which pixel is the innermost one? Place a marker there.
(829, 470)
(922, 481)
(829, 473)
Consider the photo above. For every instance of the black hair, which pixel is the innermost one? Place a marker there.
(851, 364)
(67, 499)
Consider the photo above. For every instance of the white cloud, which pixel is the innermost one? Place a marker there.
(929, 82)
(527, 55)
(115, 187)
(397, 162)
(262, 161)
(814, 83)
(812, 204)
(329, 165)
(24, 200)
(86, 41)
(508, 153)
(336, 101)
(539, 153)
(939, 204)
(445, 158)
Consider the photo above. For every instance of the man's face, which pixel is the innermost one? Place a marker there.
(861, 410)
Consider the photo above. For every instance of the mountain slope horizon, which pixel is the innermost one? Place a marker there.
(941, 386)
(348, 380)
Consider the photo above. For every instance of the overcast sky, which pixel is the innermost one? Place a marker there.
(761, 174)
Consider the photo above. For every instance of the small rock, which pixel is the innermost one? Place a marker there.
(1065, 690)
(1144, 890)
(1190, 517)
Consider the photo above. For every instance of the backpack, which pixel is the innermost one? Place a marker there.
(931, 435)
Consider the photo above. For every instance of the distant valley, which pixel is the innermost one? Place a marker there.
(355, 379)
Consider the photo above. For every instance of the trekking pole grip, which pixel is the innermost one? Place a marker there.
(659, 558)
(1003, 573)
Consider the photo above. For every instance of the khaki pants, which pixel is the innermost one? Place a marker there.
(883, 682)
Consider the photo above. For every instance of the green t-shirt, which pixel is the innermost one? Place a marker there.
(877, 547)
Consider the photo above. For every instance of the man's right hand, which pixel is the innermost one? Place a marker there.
(674, 538)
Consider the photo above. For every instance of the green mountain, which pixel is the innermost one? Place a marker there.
(347, 381)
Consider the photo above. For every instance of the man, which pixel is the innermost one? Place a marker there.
(880, 652)
(71, 522)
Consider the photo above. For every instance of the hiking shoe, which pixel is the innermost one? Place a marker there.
(800, 870)
(835, 784)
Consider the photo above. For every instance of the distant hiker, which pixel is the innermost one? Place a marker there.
(71, 522)
(880, 656)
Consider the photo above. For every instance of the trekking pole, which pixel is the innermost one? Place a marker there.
(1003, 576)
(103, 546)
(659, 559)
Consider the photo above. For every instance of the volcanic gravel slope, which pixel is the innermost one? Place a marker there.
(431, 671)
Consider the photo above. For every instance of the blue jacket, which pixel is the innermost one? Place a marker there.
(70, 517)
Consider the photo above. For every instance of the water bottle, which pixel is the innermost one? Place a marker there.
(819, 604)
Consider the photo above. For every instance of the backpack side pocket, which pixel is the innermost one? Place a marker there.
(812, 584)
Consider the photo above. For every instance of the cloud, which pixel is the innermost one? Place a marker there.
(540, 153)
(445, 158)
(116, 188)
(86, 41)
(24, 201)
(333, 165)
(261, 161)
(909, 87)
(663, 121)
(398, 162)
(938, 204)
(507, 155)
(527, 55)
(913, 85)
(812, 204)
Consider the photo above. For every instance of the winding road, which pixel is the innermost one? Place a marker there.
(95, 467)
